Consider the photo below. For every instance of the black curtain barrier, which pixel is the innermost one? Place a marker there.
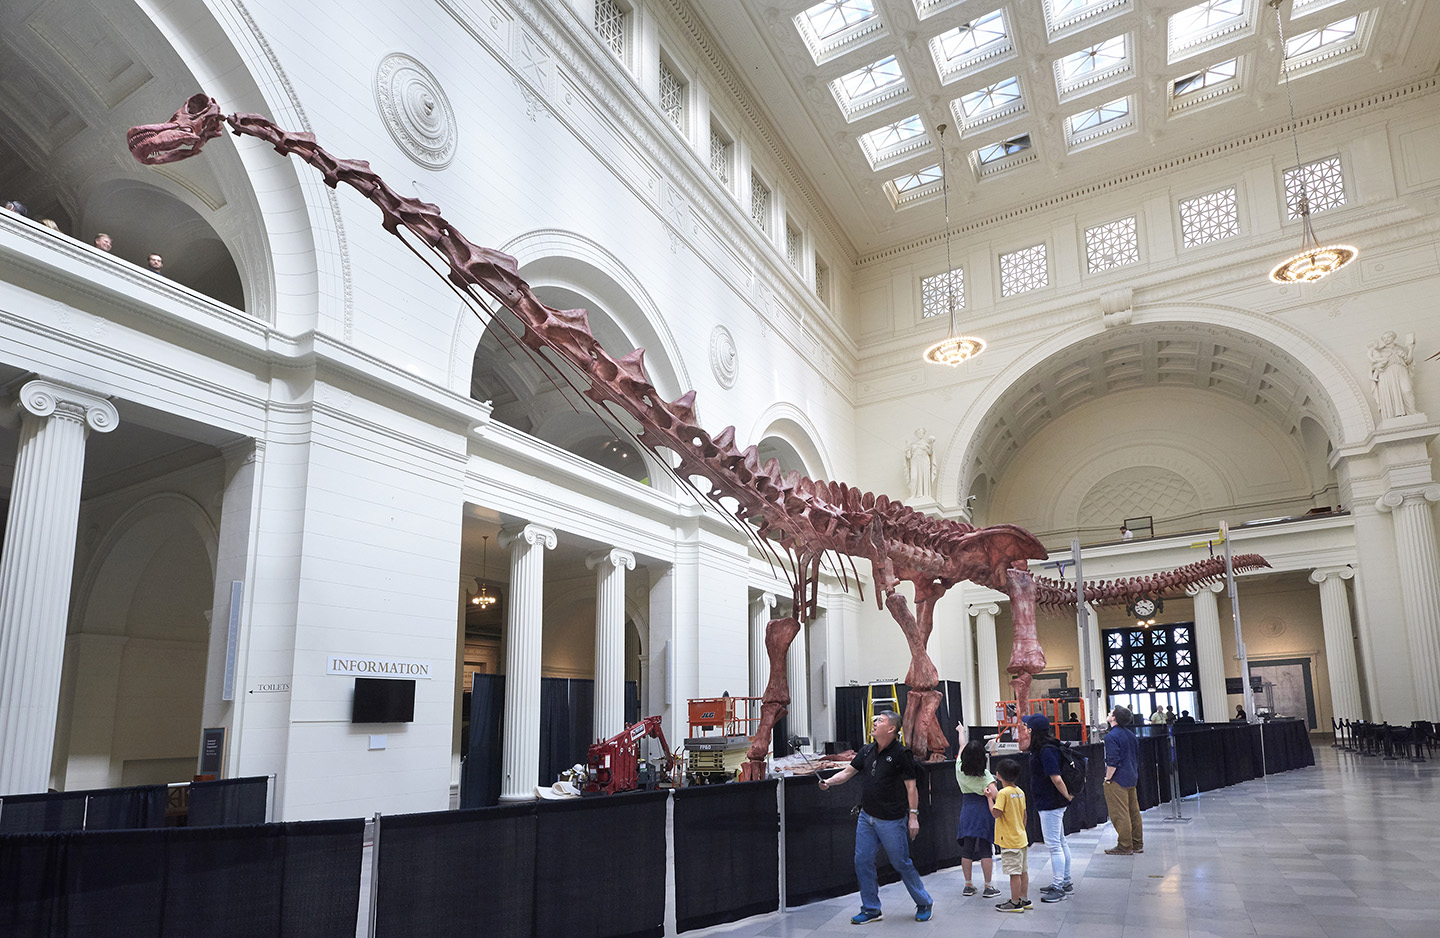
(935, 847)
(1148, 789)
(566, 707)
(113, 883)
(726, 853)
(1088, 810)
(820, 841)
(51, 811)
(1239, 766)
(480, 781)
(852, 731)
(32, 898)
(126, 808)
(600, 867)
(228, 801)
(461, 872)
(320, 890)
(224, 881)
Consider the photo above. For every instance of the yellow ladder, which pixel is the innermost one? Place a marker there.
(891, 697)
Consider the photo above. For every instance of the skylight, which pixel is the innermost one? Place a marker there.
(1090, 61)
(893, 140)
(916, 179)
(1095, 116)
(998, 151)
(1205, 24)
(970, 43)
(1061, 15)
(999, 96)
(1317, 39)
(1204, 78)
(870, 79)
(833, 16)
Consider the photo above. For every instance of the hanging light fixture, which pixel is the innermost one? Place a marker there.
(954, 349)
(1314, 262)
(483, 599)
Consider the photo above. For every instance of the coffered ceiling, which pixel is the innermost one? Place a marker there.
(1041, 97)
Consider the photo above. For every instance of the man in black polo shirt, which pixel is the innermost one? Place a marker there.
(889, 816)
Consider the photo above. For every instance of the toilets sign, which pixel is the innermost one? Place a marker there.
(364, 666)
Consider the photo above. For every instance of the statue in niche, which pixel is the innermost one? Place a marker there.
(1390, 362)
(920, 465)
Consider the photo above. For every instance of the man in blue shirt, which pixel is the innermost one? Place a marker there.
(1122, 773)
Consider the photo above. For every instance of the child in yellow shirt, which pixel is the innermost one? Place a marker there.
(1008, 807)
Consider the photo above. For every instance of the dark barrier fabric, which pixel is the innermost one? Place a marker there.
(820, 841)
(1287, 745)
(53, 811)
(1148, 788)
(126, 808)
(450, 872)
(727, 840)
(292, 881)
(566, 707)
(1089, 809)
(1239, 760)
(480, 782)
(934, 848)
(229, 801)
(600, 867)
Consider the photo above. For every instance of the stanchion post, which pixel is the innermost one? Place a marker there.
(780, 848)
(374, 874)
(1082, 622)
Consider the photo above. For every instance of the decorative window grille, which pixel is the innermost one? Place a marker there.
(822, 281)
(1113, 244)
(759, 202)
(935, 299)
(1158, 659)
(610, 24)
(672, 96)
(1324, 186)
(1209, 218)
(792, 245)
(720, 150)
(1023, 270)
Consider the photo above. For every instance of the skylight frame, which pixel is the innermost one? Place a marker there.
(1092, 78)
(880, 154)
(951, 67)
(1215, 88)
(1011, 103)
(1328, 53)
(1020, 150)
(854, 106)
(914, 186)
(1070, 16)
(824, 48)
(1227, 27)
(1103, 120)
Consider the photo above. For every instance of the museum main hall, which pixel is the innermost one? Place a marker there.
(317, 492)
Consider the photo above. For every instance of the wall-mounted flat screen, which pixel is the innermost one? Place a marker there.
(383, 700)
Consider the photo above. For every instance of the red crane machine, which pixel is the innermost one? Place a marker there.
(614, 763)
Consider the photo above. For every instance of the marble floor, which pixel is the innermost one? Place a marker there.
(1346, 849)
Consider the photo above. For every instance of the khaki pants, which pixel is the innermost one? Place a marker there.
(1124, 808)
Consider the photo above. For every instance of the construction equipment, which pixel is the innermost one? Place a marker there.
(614, 763)
(1053, 708)
(719, 738)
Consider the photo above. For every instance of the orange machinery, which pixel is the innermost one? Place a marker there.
(1007, 717)
(719, 737)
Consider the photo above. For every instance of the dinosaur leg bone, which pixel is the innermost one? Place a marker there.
(778, 636)
(1027, 658)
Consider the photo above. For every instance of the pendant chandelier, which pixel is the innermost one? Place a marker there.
(955, 348)
(483, 599)
(1314, 262)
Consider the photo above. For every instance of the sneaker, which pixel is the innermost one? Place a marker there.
(1138, 850)
(969, 890)
(1010, 905)
(990, 892)
(1052, 894)
(1068, 886)
(1027, 903)
(922, 913)
(865, 918)
(1119, 851)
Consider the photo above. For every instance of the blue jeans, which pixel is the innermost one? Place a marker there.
(870, 835)
(1052, 825)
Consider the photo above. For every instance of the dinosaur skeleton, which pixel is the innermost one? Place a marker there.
(812, 522)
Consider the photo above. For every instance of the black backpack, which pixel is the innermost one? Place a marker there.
(1072, 769)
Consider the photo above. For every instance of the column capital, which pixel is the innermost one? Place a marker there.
(531, 534)
(1199, 588)
(765, 600)
(985, 609)
(44, 398)
(615, 557)
(1321, 574)
(1398, 496)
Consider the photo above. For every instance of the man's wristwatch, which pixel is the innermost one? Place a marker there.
(914, 810)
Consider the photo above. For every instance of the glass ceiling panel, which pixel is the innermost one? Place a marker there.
(968, 38)
(1205, 77)
(1098, 57)
(1317, 39)
(833, 16)
(871, 78)
(1190, 24)
(916, 179)
(1096, 116)
(998, 151)
(999, 95)
(895, 134)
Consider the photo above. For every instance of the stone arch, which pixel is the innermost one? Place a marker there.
(1340, 408)
(788, 424)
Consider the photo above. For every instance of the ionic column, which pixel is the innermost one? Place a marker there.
(987, 663)
(1419, 569)
(760, 608)
(35, 572)
(1339, 641)
(797, 675)
(610, 567)
(1209, 653)
(520, 744)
